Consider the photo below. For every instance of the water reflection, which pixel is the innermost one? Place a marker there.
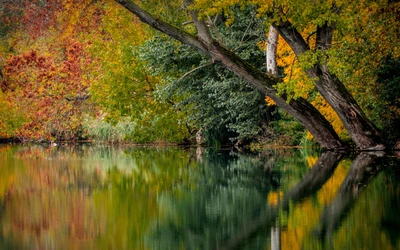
(85, 197)
(362, 171)
(93, 197)
(313, 214)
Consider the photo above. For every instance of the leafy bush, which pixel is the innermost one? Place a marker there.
(99, 130)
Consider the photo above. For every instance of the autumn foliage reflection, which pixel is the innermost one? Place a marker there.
(75, 197)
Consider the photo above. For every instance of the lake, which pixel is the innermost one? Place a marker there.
(103, 197)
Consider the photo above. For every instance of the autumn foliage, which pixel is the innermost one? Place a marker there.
(49, 94)
(68, 72)
(45, 70)
(67, 65)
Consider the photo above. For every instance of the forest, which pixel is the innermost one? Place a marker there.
(255, 73)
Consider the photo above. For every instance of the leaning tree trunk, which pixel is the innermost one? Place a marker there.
(300, 109)
(361, 130)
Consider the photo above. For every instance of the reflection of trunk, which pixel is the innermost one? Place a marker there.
(275, 238)
(2, 208)
(311, 183)
(315, 178)
(360, 173)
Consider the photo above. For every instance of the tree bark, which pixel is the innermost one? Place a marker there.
(300, 109)
(270, 53)
(362, 131)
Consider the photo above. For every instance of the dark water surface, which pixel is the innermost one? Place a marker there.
(98, 197)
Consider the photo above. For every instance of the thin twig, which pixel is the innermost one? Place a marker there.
(193, 70)
(244, 34)
(309, 36)
(213, 27)
(187, 23)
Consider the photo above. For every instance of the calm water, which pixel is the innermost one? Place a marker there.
(98, 197)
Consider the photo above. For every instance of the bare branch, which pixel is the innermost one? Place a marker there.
(215, 29)
(194, 70)
(203, 31)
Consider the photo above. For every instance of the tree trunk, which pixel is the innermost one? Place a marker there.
(270, 53)
(300, 109)
(362, 131)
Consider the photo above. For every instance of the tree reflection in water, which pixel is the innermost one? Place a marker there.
(362, 171)
(234, 216)
(173, 198)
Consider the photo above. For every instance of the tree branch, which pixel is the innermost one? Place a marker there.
(162, 26)
(325, 32)
(324, 36)
(245, 33)
(292, 37)
(195, 69)
(203, 31)
(215, 29)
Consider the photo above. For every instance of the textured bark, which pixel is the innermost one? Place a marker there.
(300, 109)
(292, 37)
(362, 131)
(162, 26)
(324, 36)
(270, 54)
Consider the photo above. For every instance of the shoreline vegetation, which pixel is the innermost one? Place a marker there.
(249, 148)
(250, 75)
